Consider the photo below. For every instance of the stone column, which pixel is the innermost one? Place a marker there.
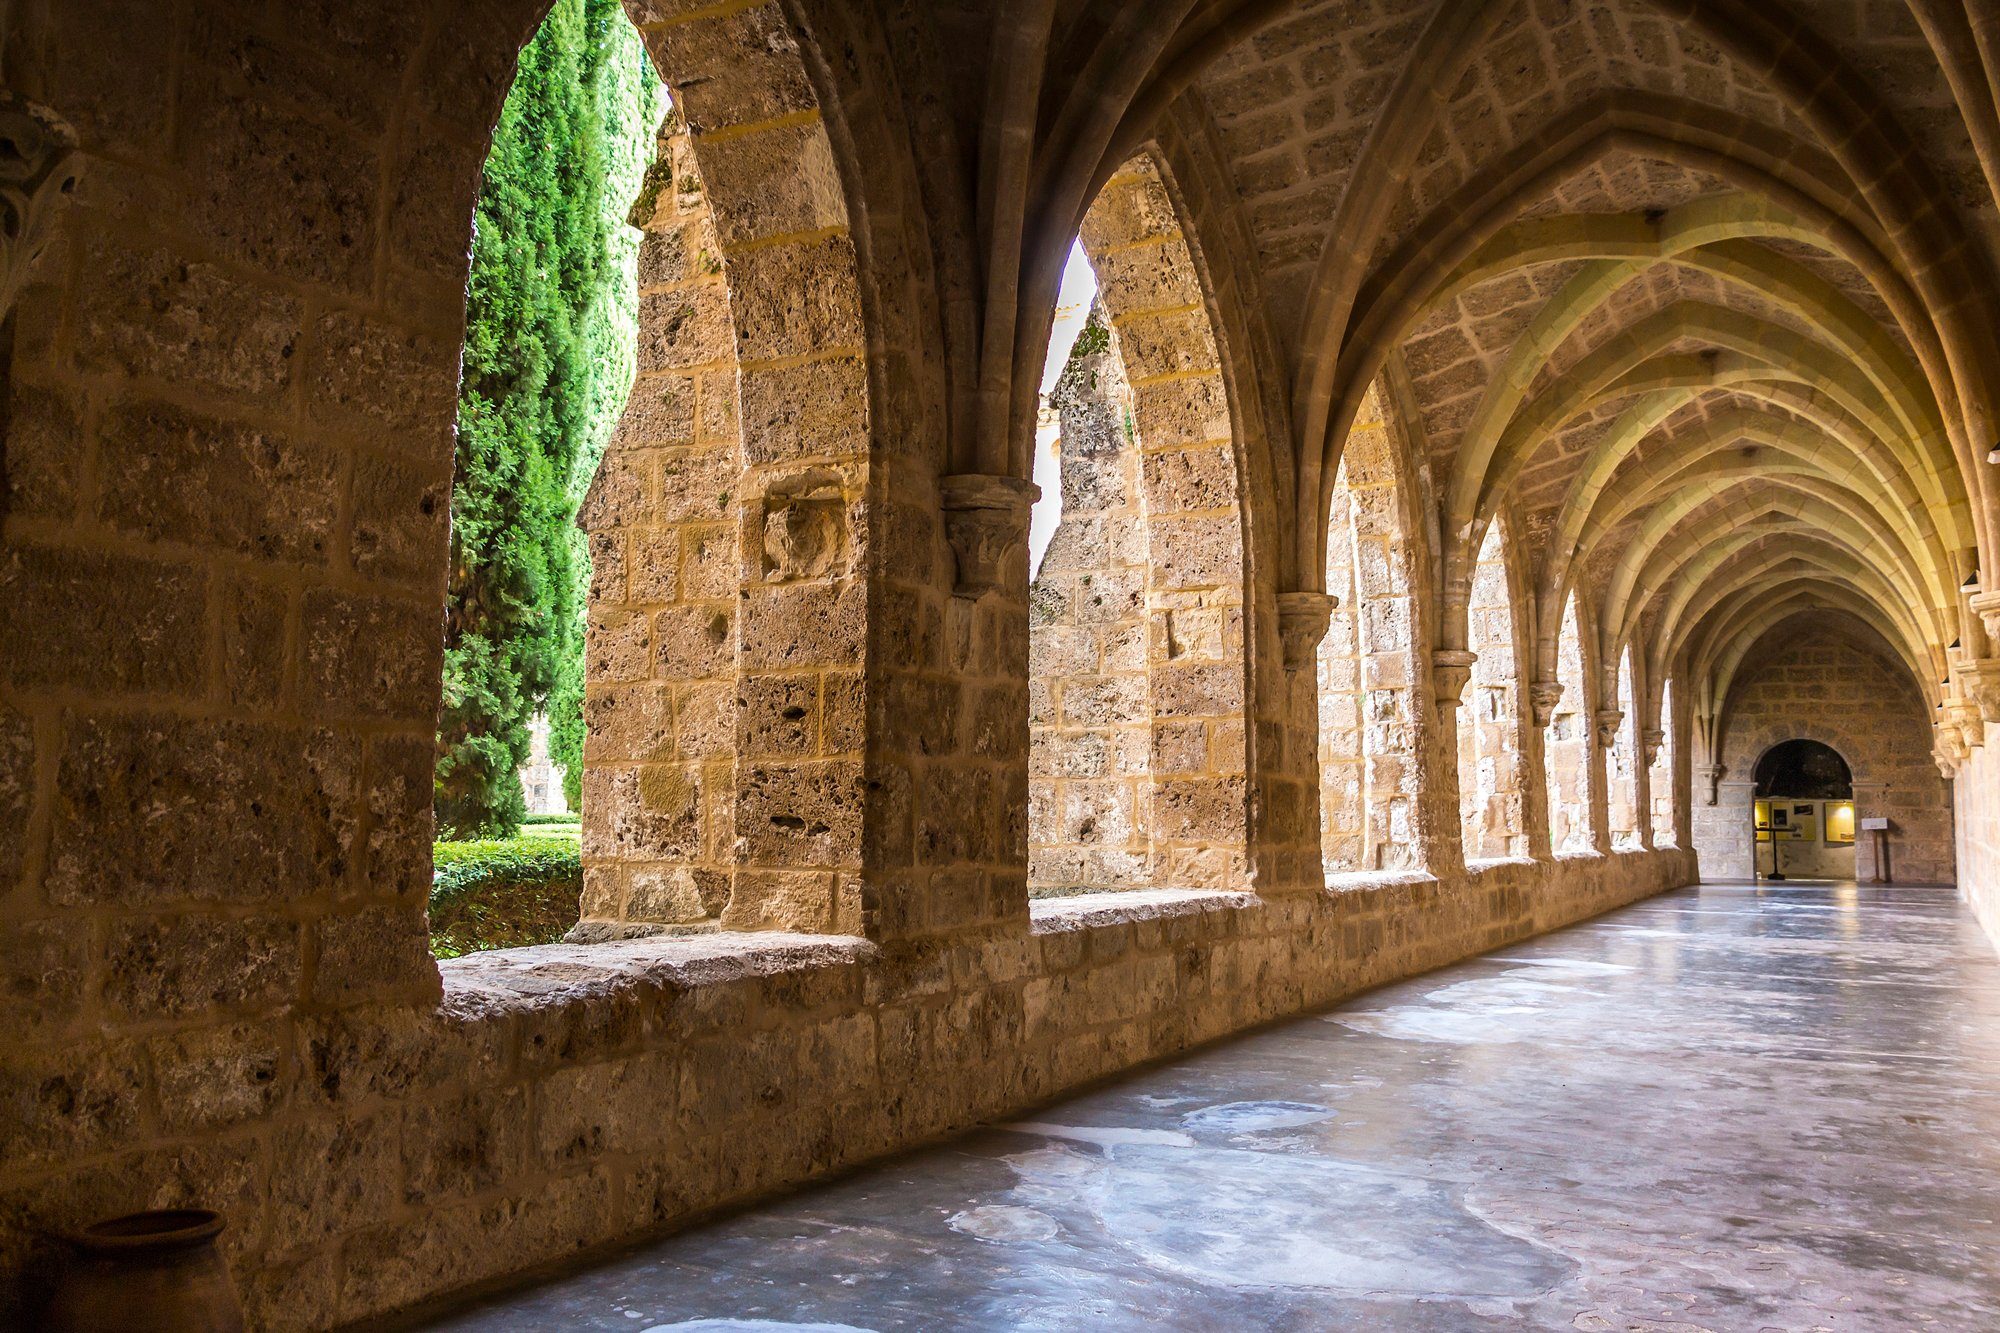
(1733, 810)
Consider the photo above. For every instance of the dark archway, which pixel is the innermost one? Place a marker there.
(1806, 769)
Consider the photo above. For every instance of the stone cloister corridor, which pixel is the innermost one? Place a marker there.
(1503, 1144)
(1497, 429)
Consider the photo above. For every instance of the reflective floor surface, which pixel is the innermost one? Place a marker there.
(1724, 1108)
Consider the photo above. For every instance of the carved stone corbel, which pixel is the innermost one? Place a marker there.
(1302, 621)
(1712, 775)
(1964, 715)
(39, 170)
(1543, 696)
(1986, 605)
(1607, 720)
(1650, 741)
(1948, 755)
(1979, 679)
(1451, 669)
(985, 520)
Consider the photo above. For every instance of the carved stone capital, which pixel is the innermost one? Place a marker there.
(39, 169)
(1543, 696)
(1302, 621)
(1607, 720)
(1963, 714)
(1650, 741)
(985, 520)
(1979, 679)
(1948, 755)
(1451, 669)
(1986, 605)
(1712, 775)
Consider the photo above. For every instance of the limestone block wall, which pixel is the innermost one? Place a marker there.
(1491, 805)
(1366, 695)
(1976, 828)
(1622, 766)
(1567, 743)
(1090, 694)
(566, 1097)
(660, 677)
(1821, 684)
(1192, 500)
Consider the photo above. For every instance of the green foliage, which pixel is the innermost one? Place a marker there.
(568, 821)
(503, 893)
(1093, 339)
(540, 368)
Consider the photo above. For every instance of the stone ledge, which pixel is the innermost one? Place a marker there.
(539, 971)
(1361, 881)
(1085, 911)
(1489, 865)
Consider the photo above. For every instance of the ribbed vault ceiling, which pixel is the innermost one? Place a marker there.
(1643, 312)
(1697, 297)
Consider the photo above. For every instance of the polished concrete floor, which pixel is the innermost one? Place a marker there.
(1723, 1108)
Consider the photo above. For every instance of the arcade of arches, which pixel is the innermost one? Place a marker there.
(1514, 418)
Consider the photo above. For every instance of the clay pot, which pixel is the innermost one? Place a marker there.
(158, 1271)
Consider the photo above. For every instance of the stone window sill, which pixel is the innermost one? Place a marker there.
(1367, 881)
(543, 972)
(1088, 911)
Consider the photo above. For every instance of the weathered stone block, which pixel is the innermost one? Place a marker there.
(370, 656)
(401, 518)
(148, 314)
(110, 623)
(691, 641)
(213, 1076)
(181, 966)
(153, 809)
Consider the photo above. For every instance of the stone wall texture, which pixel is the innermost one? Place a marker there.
(1976, 809)
(1699, 298)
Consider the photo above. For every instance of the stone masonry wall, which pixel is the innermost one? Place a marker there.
(1193, 501)
(1090, 704)
(1491, 807)
(1820, 684)
(568, 1097)
(1976, 804)
(1366, 700)
(660, 675)
(221, 574)
(1567, 745)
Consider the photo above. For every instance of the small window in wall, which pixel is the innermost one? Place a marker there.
(1622, 764)
(1565, 745)
(1367, 734)
(1660, 777)
(1489, 780)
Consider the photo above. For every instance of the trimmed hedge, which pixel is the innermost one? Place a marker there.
(503, 893)
(533, 820)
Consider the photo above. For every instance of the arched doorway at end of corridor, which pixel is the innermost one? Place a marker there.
(1803, 812)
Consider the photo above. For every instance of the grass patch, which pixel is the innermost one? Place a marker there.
(504, 893)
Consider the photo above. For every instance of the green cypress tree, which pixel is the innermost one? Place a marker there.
(529, 400)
